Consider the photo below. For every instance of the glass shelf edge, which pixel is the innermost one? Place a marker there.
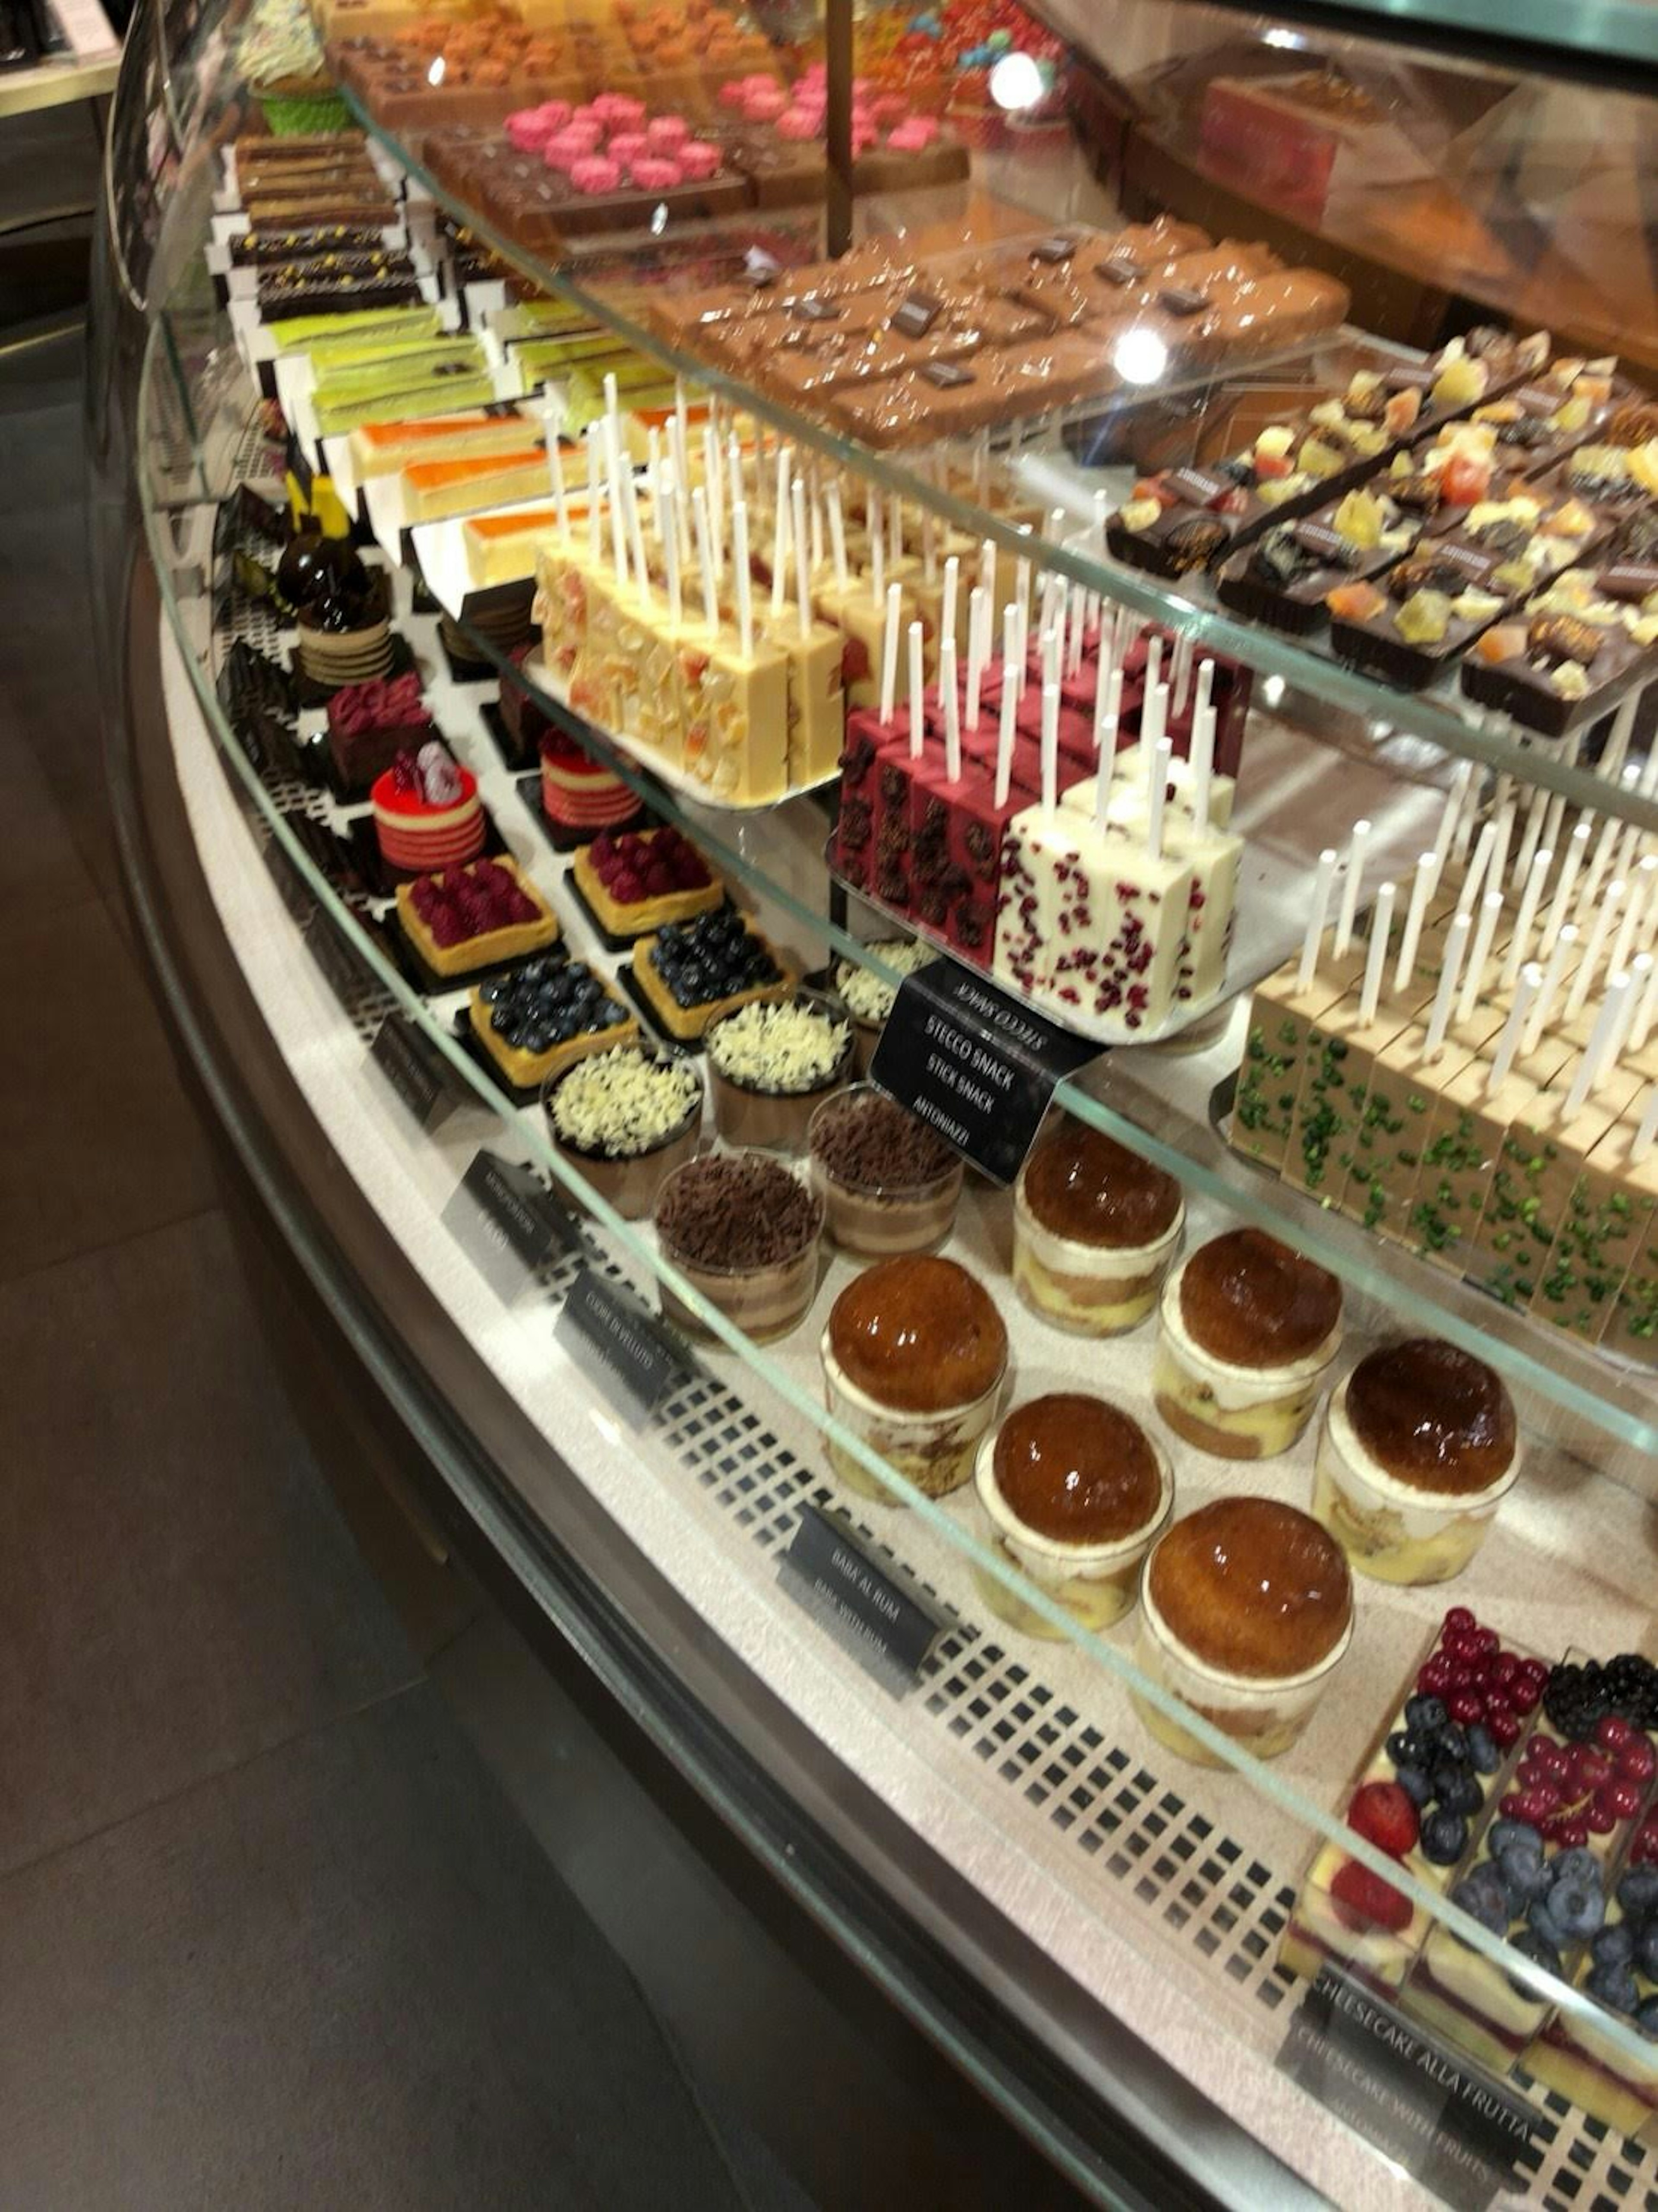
(1260, 649)
(1275, 1789)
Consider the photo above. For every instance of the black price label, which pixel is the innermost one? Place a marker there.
(869, 1605)
(1445, 2122)
(625, 1352)
(416, 1068)
(508, 1221)
(973, 1064)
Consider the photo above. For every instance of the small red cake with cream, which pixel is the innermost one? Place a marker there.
(427, 814)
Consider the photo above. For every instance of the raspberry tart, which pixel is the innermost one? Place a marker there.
(634, 882)
(427, 814)
(477, 917)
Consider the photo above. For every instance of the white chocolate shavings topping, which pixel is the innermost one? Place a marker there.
(783, 1049)
(618, 1104)
(869, 997)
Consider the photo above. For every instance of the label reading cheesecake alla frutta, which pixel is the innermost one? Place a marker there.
(508, 1223)
(630, 1357)
(974, 1065)
(1438, 2116)
(867, 1604)
(416, 1068)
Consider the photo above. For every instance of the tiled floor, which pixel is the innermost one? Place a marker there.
(270, 1935)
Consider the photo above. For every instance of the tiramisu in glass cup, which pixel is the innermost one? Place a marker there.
(744, 1232)
(1249, 1330)
(1074, 1492)
(1094, 1228)
(913, 1358)
(1246, 1612)
(1420, 1446)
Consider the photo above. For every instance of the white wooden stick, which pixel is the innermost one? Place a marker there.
(1533, 830)
(1456, 944)
(917, 691)
(1525, 993)
(1473, 883)
(1560, 911)
(1647, 1132)
(1158, 797)
(1519, 949)
(1312, 937)
(1353, 883)
(594, 439)
(1106, 764)
(1597, 867)
(976, 651)
(1450, 814)
(1598, 1052)
(703, 533)
(671, 549)
(744, 582)
(1600, 931)
(1381, 922)
(1427, 875)
(1560, 955)
(1647, 1005)
(947, 692)
(1050, 749)
(1491, 909)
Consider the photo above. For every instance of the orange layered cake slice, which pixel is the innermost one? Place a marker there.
(502, 549)
(434, 489)
(468, 918)
(379, 449)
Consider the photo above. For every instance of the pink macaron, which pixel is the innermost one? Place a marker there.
(595, 173)
(655, 173)
(764, 104)
(575, 142)
(620, 110)
(698, 161)
(799, 123)
(667, 132)
(732, 93)
(624, 145)
(528, 131)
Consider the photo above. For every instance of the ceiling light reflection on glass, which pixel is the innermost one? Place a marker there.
(1016, 83)
(1139, 356)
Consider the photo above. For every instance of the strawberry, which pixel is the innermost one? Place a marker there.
(1363, 1901)
(1385, 1816)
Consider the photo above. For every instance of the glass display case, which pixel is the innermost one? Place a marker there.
(913, 759)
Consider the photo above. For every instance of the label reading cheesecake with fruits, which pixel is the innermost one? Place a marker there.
(973, 1064)
(509, 1225)
(1453, 2131)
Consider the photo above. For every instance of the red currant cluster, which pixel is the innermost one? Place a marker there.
(1480, 1682)
(1571, 1791)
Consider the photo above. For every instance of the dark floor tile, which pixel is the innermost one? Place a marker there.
(40, 873)
(342, 1976)
(98, 1138)
(177, 1591)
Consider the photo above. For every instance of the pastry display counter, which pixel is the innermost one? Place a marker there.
(888, 942)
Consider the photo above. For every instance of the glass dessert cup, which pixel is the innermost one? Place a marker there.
(629, 1181)
(776, 1120)
(1390, 1530)
(765, 1299)
(1263, 1715)
(1096, 1583)
(934, 1450)
(1233, 1412)
(883, 1217)
(1089, 1290)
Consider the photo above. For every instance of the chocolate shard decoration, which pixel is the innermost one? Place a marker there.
(947, 376)
(917, 315)
(812, 307)
(1056, 249)
(1182, 299)
(1119, 269)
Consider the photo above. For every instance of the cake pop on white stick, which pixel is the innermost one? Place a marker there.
(1439, 1019)
(1598, 1054)
(1599, 932)
(1520, 944)
(1561, 954)
(1359, 845)
(1490, 910)
(1422, 890)
(1527, 983)
(1376, 958)
(1560, 908)
(1323, 879)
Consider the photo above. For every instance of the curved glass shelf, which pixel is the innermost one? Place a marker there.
(1040, 474)
(175, 546)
